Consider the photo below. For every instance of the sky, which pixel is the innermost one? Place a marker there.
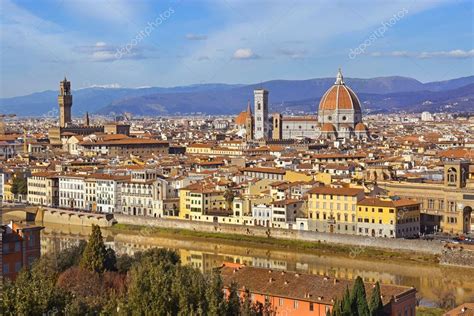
(119, 43)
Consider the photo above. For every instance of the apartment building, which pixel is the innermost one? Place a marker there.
(72, 191)
(137, 193)
(388, 217)
(20, 247)
(43, 189)
(333, 209)
(285, 212)
(197, 200)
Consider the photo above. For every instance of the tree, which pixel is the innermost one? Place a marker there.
(347, 303)
(215, 295)
(337, 308)
(229, 196)
(359, 299)
(19, 185)
(110, 262)
(95, 254)
(233, 300)
(34, 292)
(376, 305)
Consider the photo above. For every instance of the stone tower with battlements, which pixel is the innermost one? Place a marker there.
(65, 103)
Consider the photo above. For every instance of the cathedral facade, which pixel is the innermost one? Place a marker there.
(339, 117)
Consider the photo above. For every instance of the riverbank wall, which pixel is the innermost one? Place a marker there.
(355, 244)
(58, 216)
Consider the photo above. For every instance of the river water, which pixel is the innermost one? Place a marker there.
(433, 282)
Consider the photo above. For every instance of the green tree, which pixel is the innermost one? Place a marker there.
(229, 196)
(19, 185)
(359, 299)
(337, 308)
(34, 292)
(95, 254)
(233, 301)
(110, 260)
(376, 305)
(215, 295)
(347, 304)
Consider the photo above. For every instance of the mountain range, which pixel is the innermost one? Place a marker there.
(377, 95)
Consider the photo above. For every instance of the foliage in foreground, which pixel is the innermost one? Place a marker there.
(89, 279)
(355, 303)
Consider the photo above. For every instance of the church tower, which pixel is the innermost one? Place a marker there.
(261, 124)
(65, 103)
(86, 120)
(249, 124)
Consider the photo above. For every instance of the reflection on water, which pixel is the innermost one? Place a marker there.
(432, 282)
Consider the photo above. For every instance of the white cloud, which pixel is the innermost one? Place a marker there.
(103, 52)
(457, 53)
(292, 53)
(196, 37)
(245, 53)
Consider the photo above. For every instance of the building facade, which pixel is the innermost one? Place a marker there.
(333, 210)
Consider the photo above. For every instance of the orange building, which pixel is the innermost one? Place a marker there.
(20, 247)
(291, 293)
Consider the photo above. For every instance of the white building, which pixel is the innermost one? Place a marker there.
(426, 117)
(72, 191)
(262, 215)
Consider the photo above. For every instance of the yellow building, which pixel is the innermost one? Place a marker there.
(293, 176)
(386, 217)
(197, 201)
(333, 209)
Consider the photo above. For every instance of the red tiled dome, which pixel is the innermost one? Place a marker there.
(339, 96)
(328, 128)
(361, 127)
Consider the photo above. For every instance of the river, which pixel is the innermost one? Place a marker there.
(433, 282)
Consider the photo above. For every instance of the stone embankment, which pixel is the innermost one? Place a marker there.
(458, 255)
(355, 243)
(58, 216)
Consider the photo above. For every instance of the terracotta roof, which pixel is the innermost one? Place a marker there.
(387, 203)
(303, 287)
(336, 191)
(265, 170)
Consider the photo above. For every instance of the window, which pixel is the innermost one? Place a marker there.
(6, 268)
(311, 307)
(295, 304)
(281, 301)
(17, 266)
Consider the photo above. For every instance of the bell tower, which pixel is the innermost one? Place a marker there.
(261, 126)
(65, 103)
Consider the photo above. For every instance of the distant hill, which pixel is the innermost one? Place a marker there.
(381, 94)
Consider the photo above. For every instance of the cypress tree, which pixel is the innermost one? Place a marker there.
(214, 295)
(233, 302)
(359, 299)
(95, 253)
(376, 305)
(347, 304)
(337, 308)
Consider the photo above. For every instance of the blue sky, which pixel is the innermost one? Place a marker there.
(175, 42)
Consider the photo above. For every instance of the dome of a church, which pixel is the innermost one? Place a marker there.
(243, 116)
(339, 96)
(361, 127)
(328, 128)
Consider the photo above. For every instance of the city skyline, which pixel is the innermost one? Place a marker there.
(117, 43)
